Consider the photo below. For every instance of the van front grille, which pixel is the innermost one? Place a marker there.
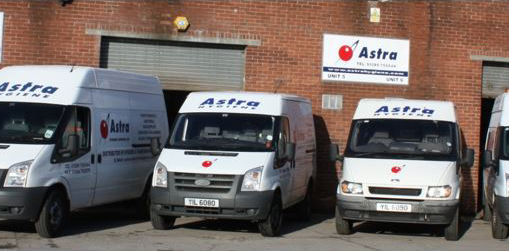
(197, 182)
(395, 191)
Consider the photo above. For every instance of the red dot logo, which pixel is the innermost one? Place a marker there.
(345, 53)
(396, 169)
(206, 164)
(104, 129)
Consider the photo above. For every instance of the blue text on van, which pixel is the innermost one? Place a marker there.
(229, 103)
(28, 89)
(406, 110)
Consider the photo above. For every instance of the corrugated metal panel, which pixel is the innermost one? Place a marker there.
(495, 79)
(179, 65)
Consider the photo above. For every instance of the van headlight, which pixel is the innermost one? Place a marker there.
(351, 188)
(160, 176)
(252, 179)
(17, 174)
(439, 191)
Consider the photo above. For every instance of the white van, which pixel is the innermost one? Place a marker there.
(496, 169)
(402, 163)
(236, 155)
(73, 137)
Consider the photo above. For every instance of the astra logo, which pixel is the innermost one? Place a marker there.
(113, 127)
(28, 89)
(406, 110)
(346, 53)
(229, 103)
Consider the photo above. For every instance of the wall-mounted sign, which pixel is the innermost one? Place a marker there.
(365, 59)
(374, 15)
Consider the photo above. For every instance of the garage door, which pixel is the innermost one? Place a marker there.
(179, 65)
(495, 78)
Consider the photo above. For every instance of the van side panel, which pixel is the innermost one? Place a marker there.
(125, 124)
(302, 133)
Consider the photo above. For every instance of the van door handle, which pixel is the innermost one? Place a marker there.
(99, 158)
(92, 159)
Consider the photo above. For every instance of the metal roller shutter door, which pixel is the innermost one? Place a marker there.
(495, 79)
(179, 65)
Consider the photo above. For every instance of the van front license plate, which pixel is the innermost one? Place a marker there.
(389, 207)
(201, 202)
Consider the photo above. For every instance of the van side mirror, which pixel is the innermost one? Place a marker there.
(72, 146)
(155, 146)
(334, 153)
(468, 161)
(486, 159)
(290, 151)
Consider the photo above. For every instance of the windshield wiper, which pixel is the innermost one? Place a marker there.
(362, 154)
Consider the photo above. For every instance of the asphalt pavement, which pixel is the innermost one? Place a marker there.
(117, 228)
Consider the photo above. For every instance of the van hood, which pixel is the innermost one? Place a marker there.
(212, 162)
(395, 172)
(15, 153)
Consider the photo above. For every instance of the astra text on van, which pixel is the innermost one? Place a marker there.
(406, 110)
(229, 103)
(28, 89)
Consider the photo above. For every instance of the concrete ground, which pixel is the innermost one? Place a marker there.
(116, 228)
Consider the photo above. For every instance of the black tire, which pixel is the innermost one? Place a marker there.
(343, 227)
(161, 222)
(498, 229)
(271, 226)
(451, 231)
(304, 210)
(487, 212)
(142, 204)
(53, 215)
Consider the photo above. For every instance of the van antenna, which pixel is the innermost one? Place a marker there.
(278, 82)
(72, 67)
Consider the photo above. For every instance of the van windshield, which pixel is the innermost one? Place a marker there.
(403, 139)
(220, 131)
(29, 123)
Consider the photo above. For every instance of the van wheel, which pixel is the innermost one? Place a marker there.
(498, 229)
(53, 215)
(161, 222)
(304, 207)
(272, 225)
(451, 231)
(487, 212)
(142, 204)
(343, 227)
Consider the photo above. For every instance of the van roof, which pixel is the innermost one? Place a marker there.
(238, 102)
(399, 108)
(66, 80)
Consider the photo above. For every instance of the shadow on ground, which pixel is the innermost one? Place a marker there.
(290, 224)
(410, 229)
(84, 221)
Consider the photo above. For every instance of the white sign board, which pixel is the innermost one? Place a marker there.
(365, 59)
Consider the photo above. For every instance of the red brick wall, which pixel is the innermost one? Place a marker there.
(442, 37)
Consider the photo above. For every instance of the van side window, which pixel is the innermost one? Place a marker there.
(78, 124)
(284, 138)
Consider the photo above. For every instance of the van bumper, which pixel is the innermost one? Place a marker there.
(21, 203)
(424, 212)
(242, 206)
(502, 204)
